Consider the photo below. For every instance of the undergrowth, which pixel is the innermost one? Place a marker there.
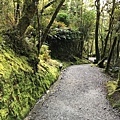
(114, 93)
(20, 88)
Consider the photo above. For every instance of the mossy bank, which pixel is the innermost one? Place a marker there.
(114, 93)
(20, 88)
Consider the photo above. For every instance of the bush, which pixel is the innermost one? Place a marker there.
(63, 17)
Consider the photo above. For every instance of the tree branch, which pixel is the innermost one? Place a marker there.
(49, 25)
(46, 6)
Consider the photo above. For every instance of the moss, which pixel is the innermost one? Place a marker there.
(116, 104)
(113, 93)
(20, 88)
(111, 87)
(10, 62)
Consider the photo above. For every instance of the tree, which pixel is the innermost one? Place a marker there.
(16, 35)
(16, 10)
(115, 46)
(50, 24)
(97, 4)
(110, 28)
(29, 9)
(110, 55)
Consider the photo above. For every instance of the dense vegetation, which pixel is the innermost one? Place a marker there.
(33, 31)
(20, 88)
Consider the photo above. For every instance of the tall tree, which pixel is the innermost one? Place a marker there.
(97, 4)
(49, 25)
(110, 27)
(18, 44)
(29, 10)
(112, 49)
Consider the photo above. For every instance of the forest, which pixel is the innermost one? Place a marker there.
(36, 36)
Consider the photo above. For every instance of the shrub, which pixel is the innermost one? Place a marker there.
(63, 17)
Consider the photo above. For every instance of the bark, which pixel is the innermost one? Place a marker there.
(38, 30)
(101, 63)
(29, 10)
(16, 41)
(118, 50)
(17, 13)
(97, 2)
(28, 13)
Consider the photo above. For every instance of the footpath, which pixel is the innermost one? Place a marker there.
(79, 94)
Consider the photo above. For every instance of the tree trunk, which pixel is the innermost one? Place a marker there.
(109, 30)
(28, 13)
(97, 3)
(16, 41)
(110, 55)
(16, 35)
(51, 21)
(17, 13)
(118, 50)
(111, 51)
(49, 25)
(39, 26)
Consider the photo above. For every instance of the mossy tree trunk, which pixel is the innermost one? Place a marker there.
(16, 35)
(28, 13)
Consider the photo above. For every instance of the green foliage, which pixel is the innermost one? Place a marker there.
(113, 93)
(111, 86)
(6, 15)
(44, 49)
(63, 17)
(89, 18)
(117, 14)
(20, 88)
(10, 62)
(58, 25)
(64, 44)
(81, 61)
(19, 92)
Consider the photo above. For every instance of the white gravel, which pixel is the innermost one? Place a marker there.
(79, 94)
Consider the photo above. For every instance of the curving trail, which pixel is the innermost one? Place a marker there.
(79, 94)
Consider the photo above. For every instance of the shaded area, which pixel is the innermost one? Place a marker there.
(65, 44)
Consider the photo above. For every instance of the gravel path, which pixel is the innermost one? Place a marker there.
(79, 94)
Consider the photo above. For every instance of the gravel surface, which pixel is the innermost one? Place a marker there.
(79, 94)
